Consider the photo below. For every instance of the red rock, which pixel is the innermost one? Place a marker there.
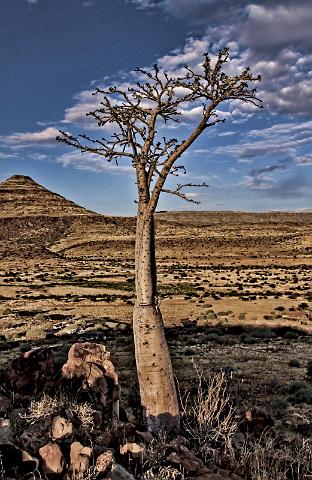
(79, 457)
(104, 461)
(89, 362)
(52, 459)
(61, 427)
(136, 450)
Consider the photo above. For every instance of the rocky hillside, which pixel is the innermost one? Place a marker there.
(35, 222)
(33, 219)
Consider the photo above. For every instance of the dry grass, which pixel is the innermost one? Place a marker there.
(47, 406)
(208, 417)
(164, 473)
(270, 459)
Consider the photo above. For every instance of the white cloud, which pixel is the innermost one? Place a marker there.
(277, 25)
(48, 135)
(92, 163)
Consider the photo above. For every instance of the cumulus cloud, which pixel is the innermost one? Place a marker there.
(283, 139)
(46, 136)
(276, 25)
(92, 163)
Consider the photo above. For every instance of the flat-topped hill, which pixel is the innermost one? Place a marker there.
(230, 217)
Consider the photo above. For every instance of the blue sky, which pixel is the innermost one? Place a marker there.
(54, 53)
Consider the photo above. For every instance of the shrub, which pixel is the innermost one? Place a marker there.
(294, 363)
(263, 333)
(279, 406)
(248, 340)
(300, 392)
(291, 335)
(208, 417)
(309, 369)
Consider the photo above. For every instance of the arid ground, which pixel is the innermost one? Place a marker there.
(235, 288)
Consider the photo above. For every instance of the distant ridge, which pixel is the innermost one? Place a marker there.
(37, 223)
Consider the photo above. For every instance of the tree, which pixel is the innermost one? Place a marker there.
(137, 112)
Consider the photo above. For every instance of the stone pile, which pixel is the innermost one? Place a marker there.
(65, 424)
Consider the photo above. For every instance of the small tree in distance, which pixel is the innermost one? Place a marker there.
(137, 112)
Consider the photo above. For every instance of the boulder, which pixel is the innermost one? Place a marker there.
(135, 449)
(186, 459)
(61, 427)
(255, 421)
(79, 457)
(119, 473)
(36, 435)
(52, 459)
(5, 405)
(89, 363)
(29, 374)
(16, 462)
(104, 461)
(6, 434)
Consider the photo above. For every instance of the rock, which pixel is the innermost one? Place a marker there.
(36, 435)
(30, 373)
(256, 420)
(136, 450)
(52, 459)
(146, 436)
(79, 457)
(179, 441)
(16, 462)
(186, 459)
(111, 325)
(125, 432)
(119, 473)
(238, 440)
(104, 439)
(212, 476)
(61, 427)
(6, 434)
(104, 461)
(90, 364)
(5, 405)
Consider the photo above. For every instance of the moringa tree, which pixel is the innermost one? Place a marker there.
(136, 114)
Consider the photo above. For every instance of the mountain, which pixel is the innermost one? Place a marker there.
(21, 196)
(34, 220)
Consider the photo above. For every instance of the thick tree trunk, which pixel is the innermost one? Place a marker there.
(157, 388)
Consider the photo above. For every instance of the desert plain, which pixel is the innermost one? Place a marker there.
(235, 291)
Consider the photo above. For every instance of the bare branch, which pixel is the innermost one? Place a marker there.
(178, 191)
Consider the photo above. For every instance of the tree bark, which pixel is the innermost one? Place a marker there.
(156, 380)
